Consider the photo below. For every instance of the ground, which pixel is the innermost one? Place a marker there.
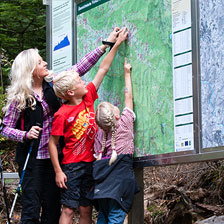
(172, 194)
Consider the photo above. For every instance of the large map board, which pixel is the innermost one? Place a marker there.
(162, 106)
(176, 50)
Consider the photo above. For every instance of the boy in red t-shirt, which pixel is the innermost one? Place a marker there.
(75, 120)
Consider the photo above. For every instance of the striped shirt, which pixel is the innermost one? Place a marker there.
(124, 140)
(12, 115)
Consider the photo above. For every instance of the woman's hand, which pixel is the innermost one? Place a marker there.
(112, 38)
(34, 132)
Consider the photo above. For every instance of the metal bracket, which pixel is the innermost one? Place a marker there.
(46, 2)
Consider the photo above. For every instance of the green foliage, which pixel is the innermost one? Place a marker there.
(5, 66)
(2, 102)
(156, 212)
(22, 26)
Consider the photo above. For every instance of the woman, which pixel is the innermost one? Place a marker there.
(31, 103)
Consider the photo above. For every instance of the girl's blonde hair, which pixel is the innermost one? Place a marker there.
(21, 77)
(63, 82)
(105, 119)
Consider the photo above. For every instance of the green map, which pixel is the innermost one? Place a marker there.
(149, 51)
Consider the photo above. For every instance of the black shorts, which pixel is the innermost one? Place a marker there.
(79, 182)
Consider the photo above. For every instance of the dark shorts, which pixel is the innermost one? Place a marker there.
(79, 182)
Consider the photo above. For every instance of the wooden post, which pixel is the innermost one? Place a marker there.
(136, 215)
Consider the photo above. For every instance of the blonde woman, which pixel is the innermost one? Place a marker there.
(114, 146)
(31, 104)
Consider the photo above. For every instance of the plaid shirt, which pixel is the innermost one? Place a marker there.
(124, 140)
(12, 115)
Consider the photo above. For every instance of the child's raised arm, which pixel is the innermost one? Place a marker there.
(128, 88)
(107, 61)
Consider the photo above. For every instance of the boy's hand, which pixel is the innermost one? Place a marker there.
(123, 35)
(113, 35)
(60, 179)
(127, 67)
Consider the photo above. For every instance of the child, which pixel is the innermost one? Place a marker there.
(76, 122)
(115, 183)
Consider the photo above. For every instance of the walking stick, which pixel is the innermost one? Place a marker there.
(21, 179)
(4, 192)
(22, 176)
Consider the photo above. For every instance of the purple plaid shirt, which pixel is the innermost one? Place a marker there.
(12, 115)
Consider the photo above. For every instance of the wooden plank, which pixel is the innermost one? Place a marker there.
(10, 175)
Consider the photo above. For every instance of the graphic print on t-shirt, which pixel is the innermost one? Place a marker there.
(83, 129)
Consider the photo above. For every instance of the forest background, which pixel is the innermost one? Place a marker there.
(178, 194)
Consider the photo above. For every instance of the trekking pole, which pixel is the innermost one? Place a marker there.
(4, 192)
(21, 180)
(22, 176)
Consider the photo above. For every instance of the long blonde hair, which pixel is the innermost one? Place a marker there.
(105, 119)
(20, 89)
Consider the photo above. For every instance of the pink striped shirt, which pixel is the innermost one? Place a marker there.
(124, 141)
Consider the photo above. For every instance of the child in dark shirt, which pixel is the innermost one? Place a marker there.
(115, 183)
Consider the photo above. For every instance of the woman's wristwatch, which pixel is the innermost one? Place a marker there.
(108, 43)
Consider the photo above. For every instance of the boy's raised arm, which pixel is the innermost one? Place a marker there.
(107, 61)
(128, 88)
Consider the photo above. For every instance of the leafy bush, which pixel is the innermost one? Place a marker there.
(2, 102)
(5, 67)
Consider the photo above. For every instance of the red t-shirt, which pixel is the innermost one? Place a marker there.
(77, 124)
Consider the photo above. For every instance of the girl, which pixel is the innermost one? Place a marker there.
(115, 183)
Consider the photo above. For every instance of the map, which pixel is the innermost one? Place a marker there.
(149, 50)
(212, 67)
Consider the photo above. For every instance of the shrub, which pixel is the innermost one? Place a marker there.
(2, 102)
